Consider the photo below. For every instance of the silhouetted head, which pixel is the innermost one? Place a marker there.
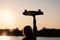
(27, 31)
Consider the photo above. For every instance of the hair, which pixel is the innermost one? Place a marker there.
(27, 30)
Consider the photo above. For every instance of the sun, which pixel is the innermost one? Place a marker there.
(7, 17)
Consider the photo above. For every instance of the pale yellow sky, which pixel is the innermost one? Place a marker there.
(11, 13)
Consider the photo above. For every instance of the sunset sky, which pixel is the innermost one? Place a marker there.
(11, 13)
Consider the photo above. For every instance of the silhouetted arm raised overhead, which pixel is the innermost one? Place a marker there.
(33, 14)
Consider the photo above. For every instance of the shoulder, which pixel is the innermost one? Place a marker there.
(24, 39)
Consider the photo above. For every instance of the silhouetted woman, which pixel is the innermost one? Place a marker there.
(28, 33)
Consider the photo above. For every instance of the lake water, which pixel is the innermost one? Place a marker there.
(20, 38)
(48, 38)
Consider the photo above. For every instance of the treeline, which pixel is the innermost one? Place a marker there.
(9, 32)
(48, 32)
(42, 33)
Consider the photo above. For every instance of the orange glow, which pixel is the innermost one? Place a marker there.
(4, 33)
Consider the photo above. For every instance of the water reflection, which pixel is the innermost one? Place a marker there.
(4, 38)
(21, 37)
(10, 38)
